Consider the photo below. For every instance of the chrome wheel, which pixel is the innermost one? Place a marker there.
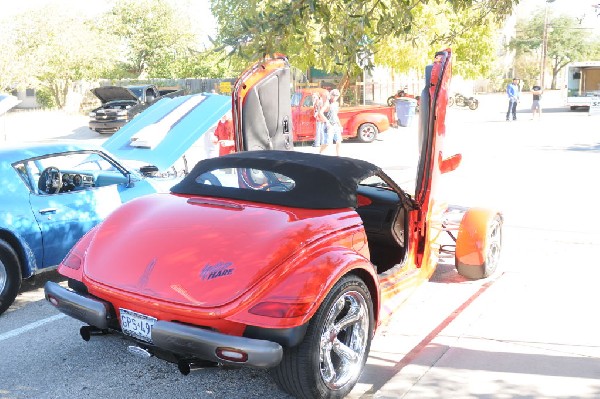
(367, 132)
(344, 340)
(494, 243)
(329, 360)
(3, 277)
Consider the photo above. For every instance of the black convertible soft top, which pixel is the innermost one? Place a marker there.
(321, 181)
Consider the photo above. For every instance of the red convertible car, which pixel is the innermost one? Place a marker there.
(274, 258)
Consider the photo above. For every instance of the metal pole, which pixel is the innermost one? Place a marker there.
(544, 49)
(545, 45)
(364, 87)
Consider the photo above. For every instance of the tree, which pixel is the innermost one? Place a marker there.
(473, 46)
(153, 35)
(10, 73)
(205, 64)
(330, 34)
(566, 42)
(51, 48)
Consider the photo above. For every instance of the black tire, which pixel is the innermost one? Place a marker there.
(450, 101)
(10, 275)
(473, 105)
(314, 369)
(494, 247)
(391, 101)
(367, 133)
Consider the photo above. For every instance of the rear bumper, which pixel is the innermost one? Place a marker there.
(169, 336)
(89, 310)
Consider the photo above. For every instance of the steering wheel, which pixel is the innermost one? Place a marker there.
(50, 181)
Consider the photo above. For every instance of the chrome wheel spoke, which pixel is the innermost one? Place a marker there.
(327, 369)
(354, 316)
(345, 352)
(3, 277)
(494, 244)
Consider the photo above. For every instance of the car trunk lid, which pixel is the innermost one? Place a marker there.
(205, 252)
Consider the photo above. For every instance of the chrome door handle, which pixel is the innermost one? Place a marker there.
(48, 210)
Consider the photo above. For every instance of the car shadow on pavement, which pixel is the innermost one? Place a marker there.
(556, 110)
(82, 133)
(32, 289)
(577, 366)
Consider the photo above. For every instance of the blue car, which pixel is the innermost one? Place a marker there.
(53, 193)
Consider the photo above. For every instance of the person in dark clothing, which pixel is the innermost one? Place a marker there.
(536, 106)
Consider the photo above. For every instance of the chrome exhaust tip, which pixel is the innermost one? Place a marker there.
(138, 351)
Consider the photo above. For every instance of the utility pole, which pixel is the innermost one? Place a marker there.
(544, 45)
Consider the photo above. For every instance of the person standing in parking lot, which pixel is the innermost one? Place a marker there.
(333, 131)
(320, 120)
(513, 92)
(536, 90)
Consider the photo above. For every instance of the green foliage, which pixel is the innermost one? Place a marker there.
(51, 47)
(206, 64)
(566, 42)
(527, 69)
(152, 33)
(45, 98)
(328, 35)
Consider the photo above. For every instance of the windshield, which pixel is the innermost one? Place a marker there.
(247, 179)
(137, 90)
(296, 97)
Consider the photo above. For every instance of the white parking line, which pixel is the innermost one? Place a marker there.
(30, 326)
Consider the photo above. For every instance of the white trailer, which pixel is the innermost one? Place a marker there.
(583, 83)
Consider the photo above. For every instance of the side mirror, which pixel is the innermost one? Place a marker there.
(130, 181)
(450, 163)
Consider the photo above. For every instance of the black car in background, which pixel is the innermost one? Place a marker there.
(121, 103)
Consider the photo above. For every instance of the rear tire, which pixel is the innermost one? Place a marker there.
(332, 355)
(473, 105)
(10, 276)
(367, 132)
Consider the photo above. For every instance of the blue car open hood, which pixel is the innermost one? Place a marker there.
(162, 133)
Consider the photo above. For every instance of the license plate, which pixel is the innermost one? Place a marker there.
(136, 324)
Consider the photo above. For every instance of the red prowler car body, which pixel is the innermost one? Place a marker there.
(272, 258)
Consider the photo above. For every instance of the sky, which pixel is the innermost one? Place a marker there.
(199, 9)
(204, 21)
(576, 8)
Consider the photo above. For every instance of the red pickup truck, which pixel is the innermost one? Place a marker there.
(364, 122)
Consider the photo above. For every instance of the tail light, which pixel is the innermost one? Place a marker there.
(232, 354)
(281, 309)
(73, 260)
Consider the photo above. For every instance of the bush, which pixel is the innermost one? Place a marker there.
(45, 98)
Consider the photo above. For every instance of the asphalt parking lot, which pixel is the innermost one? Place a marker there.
(529, 332)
